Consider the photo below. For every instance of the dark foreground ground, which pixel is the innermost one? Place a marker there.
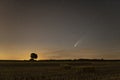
(60, 70)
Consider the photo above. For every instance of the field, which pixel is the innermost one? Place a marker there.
(60, 70)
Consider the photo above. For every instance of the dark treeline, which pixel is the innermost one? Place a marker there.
(49, 60)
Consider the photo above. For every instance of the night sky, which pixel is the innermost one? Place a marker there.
(60, 29)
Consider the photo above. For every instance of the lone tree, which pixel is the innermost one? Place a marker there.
(33, 56)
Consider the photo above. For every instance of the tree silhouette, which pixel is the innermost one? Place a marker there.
(33, 56)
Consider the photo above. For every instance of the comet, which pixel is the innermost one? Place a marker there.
(76, 44)
(79, 41)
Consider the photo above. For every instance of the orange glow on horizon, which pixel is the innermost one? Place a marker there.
(68, 54)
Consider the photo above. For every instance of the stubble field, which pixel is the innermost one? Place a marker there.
(60, 70)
